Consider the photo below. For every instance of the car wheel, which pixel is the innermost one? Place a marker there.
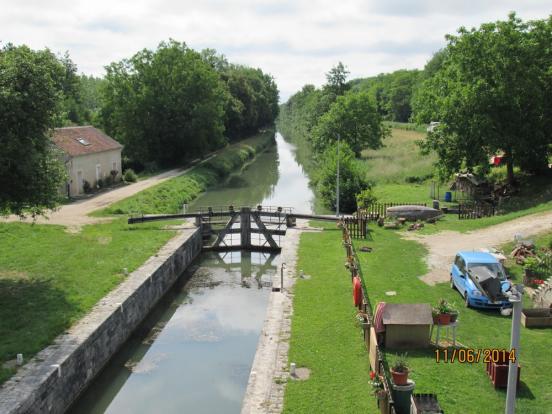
(452, 283)
(466, 301)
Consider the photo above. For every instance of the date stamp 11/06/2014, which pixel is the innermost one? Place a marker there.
(471, 356)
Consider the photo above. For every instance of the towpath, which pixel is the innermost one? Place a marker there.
(442, 247)
(75, 215)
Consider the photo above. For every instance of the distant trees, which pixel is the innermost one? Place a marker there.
(316, 116)
(354, 117)
(32, 87)
(175, 103)
(492, 92)
(253, 100)
(391, 92)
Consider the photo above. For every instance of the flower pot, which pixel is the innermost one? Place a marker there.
(444, 319)
(399, 378)
(453, 317)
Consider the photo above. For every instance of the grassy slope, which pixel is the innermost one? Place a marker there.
(324, 336)
(398, 159)
(50, 278)
(169, 196)
(458, 386)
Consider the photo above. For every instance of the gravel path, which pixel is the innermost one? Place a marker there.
(75, 215)
(442, 247)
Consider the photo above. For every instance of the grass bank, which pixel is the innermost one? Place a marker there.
(324, 334)
(169, 196)
(50, 278)
(399, 161)
(457, 385)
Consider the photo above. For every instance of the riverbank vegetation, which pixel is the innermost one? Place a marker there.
(50, 278)
(169, 196)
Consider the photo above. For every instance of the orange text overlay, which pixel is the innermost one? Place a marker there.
(470, 356)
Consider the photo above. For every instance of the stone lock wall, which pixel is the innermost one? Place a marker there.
(56, 376)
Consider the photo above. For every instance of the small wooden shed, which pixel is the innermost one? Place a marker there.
(407, 325)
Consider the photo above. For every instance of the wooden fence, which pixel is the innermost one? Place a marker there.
(357, 226)
(475, 210)
(376, 210)
(544, 268)
(377, 359)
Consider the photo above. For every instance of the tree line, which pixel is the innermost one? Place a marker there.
(166, 106)
(490, 89)
(320, 117)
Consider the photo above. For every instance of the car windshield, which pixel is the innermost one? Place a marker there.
(495, 268)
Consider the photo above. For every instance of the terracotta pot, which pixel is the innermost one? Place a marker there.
(444, 319)
(399, 378)
(453, 317)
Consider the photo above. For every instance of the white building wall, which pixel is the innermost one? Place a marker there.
(87, 163)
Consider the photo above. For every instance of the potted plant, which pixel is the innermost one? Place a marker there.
(531, 267)
(453, 312)
(377, 386)
(399, 370)
(443, 311)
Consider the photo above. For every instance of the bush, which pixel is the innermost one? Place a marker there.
(86, 187)
(352, 180)
(365, 198)
(99, 183)
(130, 176)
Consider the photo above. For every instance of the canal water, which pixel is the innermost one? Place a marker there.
(194, 352)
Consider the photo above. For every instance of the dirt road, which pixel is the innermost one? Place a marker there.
(443, 246)
(75, 215)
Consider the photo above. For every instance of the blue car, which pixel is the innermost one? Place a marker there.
(481, 280)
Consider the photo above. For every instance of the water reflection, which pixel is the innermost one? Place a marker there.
(274, 178)
(195, 351)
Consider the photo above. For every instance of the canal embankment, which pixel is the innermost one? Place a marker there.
(56, 376)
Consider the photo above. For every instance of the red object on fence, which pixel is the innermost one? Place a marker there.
(357, 291)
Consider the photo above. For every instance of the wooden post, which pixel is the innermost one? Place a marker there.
(245, 223)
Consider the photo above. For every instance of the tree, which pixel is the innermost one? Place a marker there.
(355, 118)
(31, 91)
(165, 106)
(492, 93)
(352, 179)
(337, 79)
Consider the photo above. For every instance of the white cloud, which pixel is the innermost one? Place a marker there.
(295, 41)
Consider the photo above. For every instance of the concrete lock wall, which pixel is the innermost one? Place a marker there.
(56, 376)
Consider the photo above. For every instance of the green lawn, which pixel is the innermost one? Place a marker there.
(169, 196)
(396, 264)
(325, 337)
(50, 278)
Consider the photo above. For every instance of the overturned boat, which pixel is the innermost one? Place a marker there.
(413, 213)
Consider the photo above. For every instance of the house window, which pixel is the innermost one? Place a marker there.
(98, 171)
(114, 166)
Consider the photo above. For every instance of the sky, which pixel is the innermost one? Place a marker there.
(297, 42)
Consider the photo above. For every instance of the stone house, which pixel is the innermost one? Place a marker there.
(89, 155)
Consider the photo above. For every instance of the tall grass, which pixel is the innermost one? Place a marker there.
(399, 161)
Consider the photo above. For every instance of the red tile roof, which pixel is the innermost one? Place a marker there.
(82, 140)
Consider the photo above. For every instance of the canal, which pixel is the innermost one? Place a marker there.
(194, 352)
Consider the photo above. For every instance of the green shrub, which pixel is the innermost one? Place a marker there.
(86, 187)
(365, 198)
(99, 183)
(352, 180)
(130, 176)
